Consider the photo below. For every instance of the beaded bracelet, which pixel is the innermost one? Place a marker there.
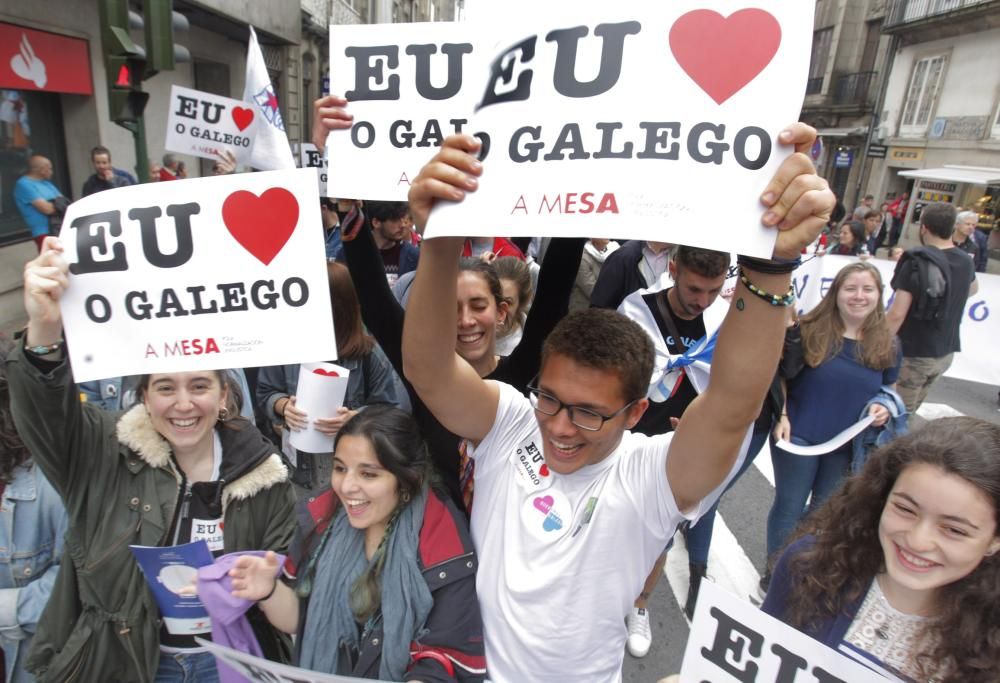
(773, 299)
(769, 266)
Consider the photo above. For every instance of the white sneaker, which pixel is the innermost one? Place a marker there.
(640, 637)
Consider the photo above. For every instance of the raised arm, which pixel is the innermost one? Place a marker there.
(462, 401)
(551, 303)
(708, 439)
(65, 439)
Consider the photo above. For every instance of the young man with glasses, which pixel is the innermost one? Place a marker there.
(571, 508)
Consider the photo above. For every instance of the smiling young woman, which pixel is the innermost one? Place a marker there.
(179, 462)
(384, 574)
(835, 362)
(901, 566)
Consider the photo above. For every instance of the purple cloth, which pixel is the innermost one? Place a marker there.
(229, 625)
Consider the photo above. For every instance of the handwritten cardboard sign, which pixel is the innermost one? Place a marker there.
(641, 120)
(409, 87)
(731, 641)
(222, 272)
(203, 124)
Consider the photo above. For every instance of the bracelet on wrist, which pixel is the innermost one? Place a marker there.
(768, 266)
(44, 349)
(274, 587)
(774, 299)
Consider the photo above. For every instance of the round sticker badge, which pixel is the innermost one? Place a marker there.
(546, 514)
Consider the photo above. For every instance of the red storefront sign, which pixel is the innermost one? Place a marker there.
(39, 60)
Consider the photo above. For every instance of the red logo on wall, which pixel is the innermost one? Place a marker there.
(39, 60)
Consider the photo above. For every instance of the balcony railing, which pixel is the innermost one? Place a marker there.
(855, 88)
(906, 11)
(814, 86)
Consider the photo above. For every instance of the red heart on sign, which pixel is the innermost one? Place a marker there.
(325, 373)
(242, 117)
(544, 470)
(262, 225)
(722, 55)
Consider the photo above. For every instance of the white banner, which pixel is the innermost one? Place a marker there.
(203, 124)
(732, 641)
(409, 86)
(978, 360)
(643, 120)
(222, 272)
(258, 670)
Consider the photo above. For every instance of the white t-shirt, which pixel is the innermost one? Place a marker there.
(562, 557)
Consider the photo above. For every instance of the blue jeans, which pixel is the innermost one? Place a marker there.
(699, 537)
(197, 667)
(795, 478)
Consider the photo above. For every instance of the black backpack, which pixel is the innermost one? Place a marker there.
(932, 276)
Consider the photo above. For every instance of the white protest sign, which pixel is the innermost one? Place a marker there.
(258, 670)
(977, 362)
(310, 157)
(731, 641)
(203, 124)
(409, 87)
(320, 393)
(641, 120)
(222, 272)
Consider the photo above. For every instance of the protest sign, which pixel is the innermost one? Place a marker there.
(409, 87)
(636, 120)
(310, 157)
(731, 641)
(222, 272)
(204, 125)
(259, 670)
(977, 362)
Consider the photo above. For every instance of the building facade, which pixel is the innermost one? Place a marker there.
(941, 113)
(846, 73)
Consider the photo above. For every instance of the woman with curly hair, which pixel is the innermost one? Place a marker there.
(835, 361)
(900, 568)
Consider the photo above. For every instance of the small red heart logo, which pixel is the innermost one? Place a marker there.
(544, 470)
(262, 225)
(722, 55)
(325, 373)
(242, 117)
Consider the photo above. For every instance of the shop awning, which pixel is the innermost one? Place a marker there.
(842, 132)
(975, 175)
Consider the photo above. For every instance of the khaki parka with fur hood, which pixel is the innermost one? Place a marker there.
(118, 480)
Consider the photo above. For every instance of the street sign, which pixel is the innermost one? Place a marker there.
(877, 151)
(843, 158)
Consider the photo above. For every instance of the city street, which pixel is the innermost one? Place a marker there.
(738, 550)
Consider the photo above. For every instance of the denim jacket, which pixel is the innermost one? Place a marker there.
(31, 544)
(876, 437)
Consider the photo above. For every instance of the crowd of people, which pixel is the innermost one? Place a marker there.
(509, 470)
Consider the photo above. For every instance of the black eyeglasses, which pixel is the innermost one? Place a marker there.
(584, 418)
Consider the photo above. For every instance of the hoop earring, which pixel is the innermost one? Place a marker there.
(223, 414)
(405, 497)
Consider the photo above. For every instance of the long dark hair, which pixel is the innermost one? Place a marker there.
(964, 638)
(400, 448)
(13, 452)
(352, 340)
